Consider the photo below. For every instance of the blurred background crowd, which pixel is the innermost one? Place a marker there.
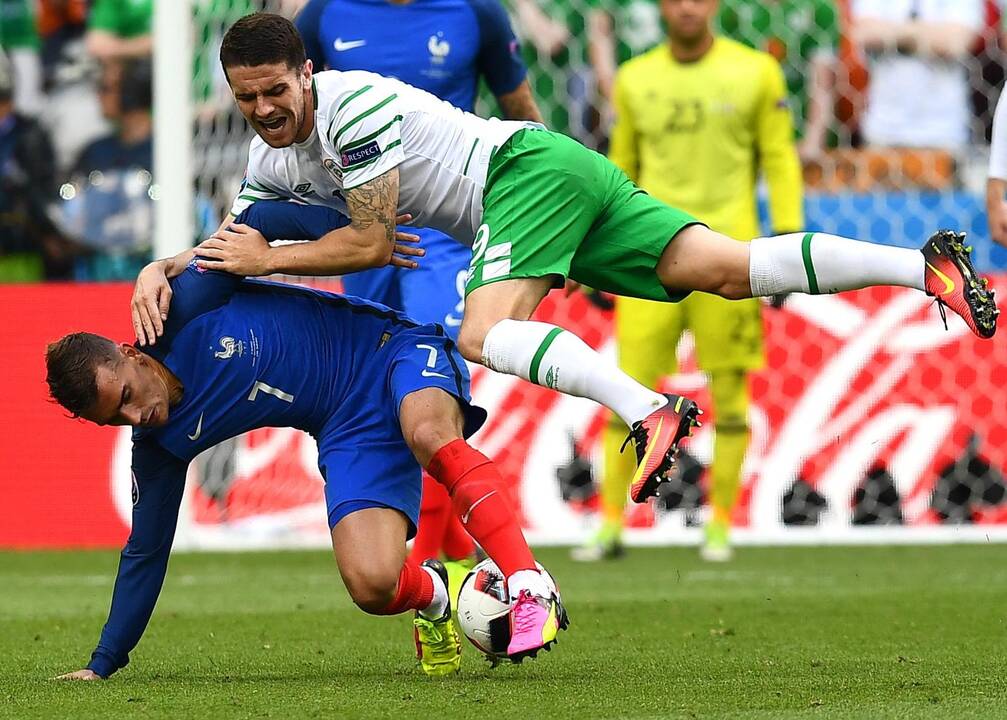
(887, 96)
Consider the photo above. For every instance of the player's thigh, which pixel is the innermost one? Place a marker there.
(370, 546)
(703, 260)
(435, 291)
(728, 333)
(646, 337)
(544, 192)
(379, 285)
(622, 251)
(429, 388)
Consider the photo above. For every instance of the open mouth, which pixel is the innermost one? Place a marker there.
(273, 125)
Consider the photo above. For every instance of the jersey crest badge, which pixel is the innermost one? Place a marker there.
(334, 170)
(439, 48)
(229, 347)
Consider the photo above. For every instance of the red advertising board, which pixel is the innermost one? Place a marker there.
(852, 381)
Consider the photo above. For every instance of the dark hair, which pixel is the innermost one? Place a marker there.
(70, 365)
(262, 39)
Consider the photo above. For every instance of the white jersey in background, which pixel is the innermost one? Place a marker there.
(367, 124)
(998, 145)
(918, 100)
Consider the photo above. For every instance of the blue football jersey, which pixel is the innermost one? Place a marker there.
(253, 354)
(441, 46)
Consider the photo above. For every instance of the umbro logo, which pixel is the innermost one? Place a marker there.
(341, 45)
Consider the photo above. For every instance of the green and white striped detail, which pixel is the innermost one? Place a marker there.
(551, 378)
(357, 119)
(809, 265)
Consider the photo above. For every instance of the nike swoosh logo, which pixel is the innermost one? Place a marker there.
(431, 373)
(949, 284)
(465, 517)
(650, 451)
(342, 45)
(199, 429)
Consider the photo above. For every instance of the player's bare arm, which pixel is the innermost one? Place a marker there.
(519, 104)
(369, 241)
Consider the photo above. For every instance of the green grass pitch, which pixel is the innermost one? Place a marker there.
(903, 632)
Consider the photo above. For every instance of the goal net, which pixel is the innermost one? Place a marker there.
(870, 421)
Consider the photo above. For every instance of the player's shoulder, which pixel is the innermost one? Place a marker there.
(646, 62)
(346, 91)
(487, 11)
(732, 49)
(737, 59)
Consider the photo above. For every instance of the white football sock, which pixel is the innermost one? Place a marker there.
(553, 357)
(439, 605)
(530, 580)
(818, 263)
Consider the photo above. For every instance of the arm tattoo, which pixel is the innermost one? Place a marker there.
(520, 105)
(375, 202)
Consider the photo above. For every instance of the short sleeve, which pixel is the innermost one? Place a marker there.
(104, 16)
(499, 59)
(365, 132)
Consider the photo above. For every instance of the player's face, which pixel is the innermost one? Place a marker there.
(275, 101)
(130, 392)
(688, 20)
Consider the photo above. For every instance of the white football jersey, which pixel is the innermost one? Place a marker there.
(367, 124)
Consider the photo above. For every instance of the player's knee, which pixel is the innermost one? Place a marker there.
(428, 436)
(470, 342)
(372, 588)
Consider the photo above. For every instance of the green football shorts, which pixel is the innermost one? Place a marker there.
(553, 207)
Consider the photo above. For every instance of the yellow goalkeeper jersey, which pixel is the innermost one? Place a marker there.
(696, 135)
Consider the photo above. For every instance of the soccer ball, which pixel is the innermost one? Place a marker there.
(484, 609)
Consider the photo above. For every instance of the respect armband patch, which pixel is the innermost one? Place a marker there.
(360, 154)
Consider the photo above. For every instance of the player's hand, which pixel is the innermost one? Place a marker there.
(406, 246)
(239, 249)
(84, 674)
(149, 306)
(998, 222)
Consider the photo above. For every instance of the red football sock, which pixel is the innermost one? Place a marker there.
(415, 591)
(478, 497)
(435, 513)
(457, 543)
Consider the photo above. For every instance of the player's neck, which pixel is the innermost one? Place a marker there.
(308, 126)
(172, 383)
(691, 51)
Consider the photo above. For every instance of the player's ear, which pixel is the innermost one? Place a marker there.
(306, 73)
(129, 351)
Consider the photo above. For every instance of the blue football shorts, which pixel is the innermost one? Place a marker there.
(361, 453)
